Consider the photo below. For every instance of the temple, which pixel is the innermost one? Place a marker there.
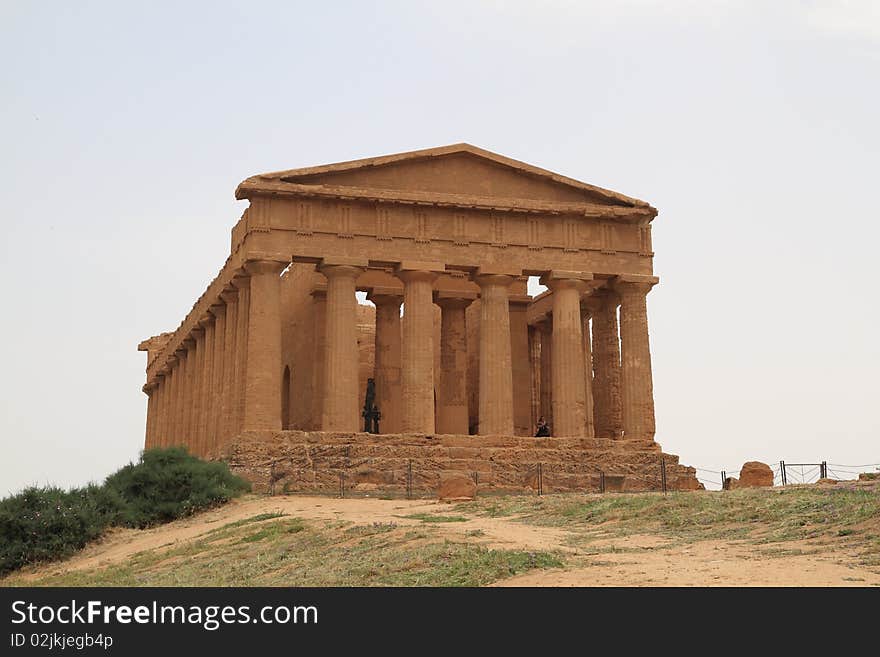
(270, 368)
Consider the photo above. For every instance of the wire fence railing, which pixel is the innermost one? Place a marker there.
(787, 474)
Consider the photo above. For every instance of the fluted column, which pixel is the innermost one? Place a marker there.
(195, 444)
(545, 328)
(262, 407)
(319, 314)
(496, 374)
(225, 431)
(173, 401)
(519, 361)
(341, 356)
(606, 367)
(388, 363)
(637, 389)
(569, 415)
(589, 417)
(206, 324)
(218, 310)
(150, 437)
(534, 377)
(242, 283)
(186, 396)
(452, 402)
(161, 389)
(417, 348)
(208, 391)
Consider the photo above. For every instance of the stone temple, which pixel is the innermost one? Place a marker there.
(271, 367)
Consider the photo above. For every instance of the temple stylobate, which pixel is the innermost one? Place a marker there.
(442, 241)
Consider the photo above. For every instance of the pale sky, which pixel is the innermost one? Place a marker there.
(751, 126)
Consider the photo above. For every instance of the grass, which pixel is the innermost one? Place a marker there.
(429, 517)
(273, 549)
(289, 552)
(781, 514)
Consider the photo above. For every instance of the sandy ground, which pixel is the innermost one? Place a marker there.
(646, 560)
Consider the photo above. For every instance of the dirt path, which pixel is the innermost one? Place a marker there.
(708, 563)
(635, 560)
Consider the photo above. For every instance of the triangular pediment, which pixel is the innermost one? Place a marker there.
(460, 169)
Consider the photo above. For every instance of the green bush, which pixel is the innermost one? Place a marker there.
(41, 524)
(169, 483)
(46, 523)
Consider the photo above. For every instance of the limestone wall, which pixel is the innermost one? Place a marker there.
(297, 461)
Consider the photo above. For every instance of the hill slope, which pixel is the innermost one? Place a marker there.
(804, 535)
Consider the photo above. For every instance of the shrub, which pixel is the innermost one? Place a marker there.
(169, 483)
(41, 524)
(46, 523)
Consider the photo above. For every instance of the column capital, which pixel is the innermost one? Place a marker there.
(340, 270)
(205, 321)
(195, 332)
(563, 280)
(456, 299)
(488, 280)
(265, 265)
(632, 283)
(545, 324)
(410, 275)
(519, 300)
(229, 295)
(183, 351)
(382, 296)
(217, 309)
(241, 279)
(169, 362)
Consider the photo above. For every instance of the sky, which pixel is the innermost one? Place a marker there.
(751, 126)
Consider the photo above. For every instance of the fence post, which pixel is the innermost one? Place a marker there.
(409, 479)
(342, 484)
(663, 474)
(601, 481)
(723, 478)
(782, 472)
(823, 470)
(540, 478)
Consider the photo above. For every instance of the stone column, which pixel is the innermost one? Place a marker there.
(207, 390)
(186, 396)
(242, 283)
(545, 328)
(319, 314)
(173, 401)
(388, 363)
(534, 377)
(519, 357)
(230, 298)
(202, 388)
(417, 347)
(637, 389)
(158, 431)
(197, 376)
(569, 415)
(150, 434)
(589, 419)
(218, 310)
(496, 374)
(606, 366)
(452, 402)
(262, 372)
(341, 356)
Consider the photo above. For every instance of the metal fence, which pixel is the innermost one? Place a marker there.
(787, 474)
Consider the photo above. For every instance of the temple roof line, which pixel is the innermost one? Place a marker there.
(273, 186)
(292, 178)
